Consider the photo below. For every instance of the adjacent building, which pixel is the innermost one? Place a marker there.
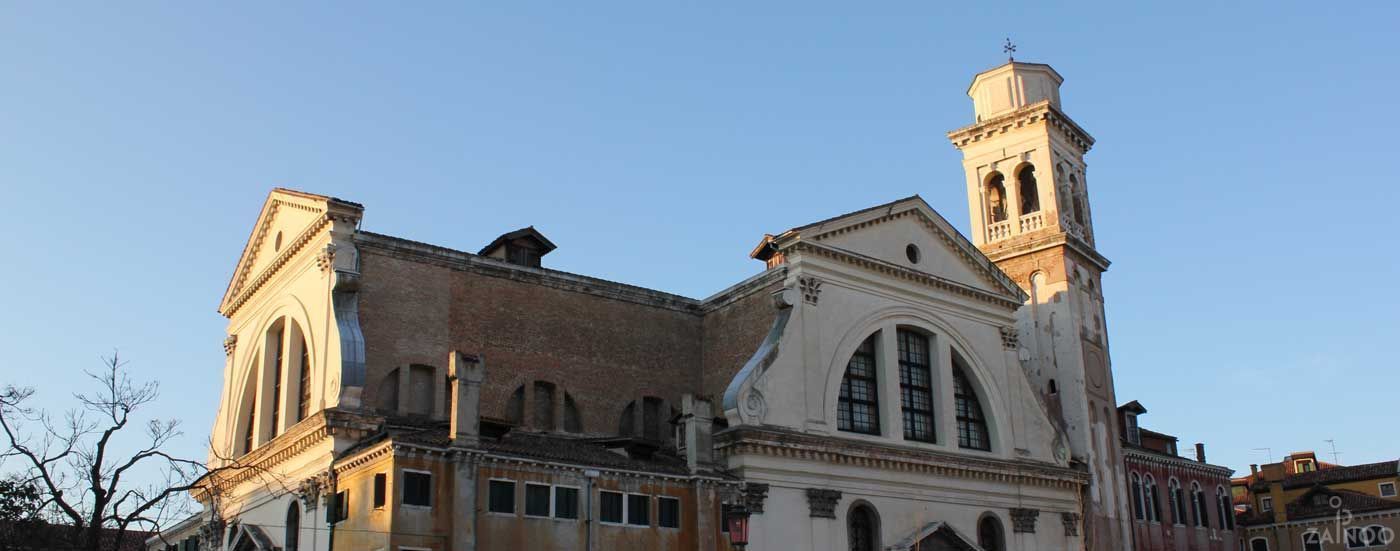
(883, 383)
(1178, 503)
(1302, 504)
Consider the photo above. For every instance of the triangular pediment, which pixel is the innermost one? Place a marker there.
(907, 234)
(288, 220)
(935, 536)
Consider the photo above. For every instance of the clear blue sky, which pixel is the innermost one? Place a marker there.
(1243, 181)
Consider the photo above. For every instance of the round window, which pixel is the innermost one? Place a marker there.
(912, 251)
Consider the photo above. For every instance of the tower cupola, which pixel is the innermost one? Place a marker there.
(1013, 86)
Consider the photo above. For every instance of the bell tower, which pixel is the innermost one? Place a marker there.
(1029, 203)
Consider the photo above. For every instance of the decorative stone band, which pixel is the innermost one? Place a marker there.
(823, 502)
(908, 274)
(1023, 519)
(258, 463)
(754, 495)
(1071, 522)
(1041, 111)
(1145, 457)
(772, 442)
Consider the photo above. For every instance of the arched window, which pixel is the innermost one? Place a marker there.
(1154, 511)
(1177, 498)
(276, 347)
(989, 536)
(915, 385)
(1312, 541)
(1135, 482)
(304, 382)
(858, 407)
(863, 529)
(252, 425)
(1077, 201)
(1224, 508)
(293, 534)
(996, 197)
(1030, 196)
(1198, 506)
(972, 422)
(1258, 544)
(654, 414)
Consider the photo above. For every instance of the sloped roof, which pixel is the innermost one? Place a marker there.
(1322, 501)
(556, 448)
(528, 232)
(1343, 474)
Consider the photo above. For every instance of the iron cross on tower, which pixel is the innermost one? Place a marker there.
(1009, 49)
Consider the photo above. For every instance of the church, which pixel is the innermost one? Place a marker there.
(885, 382)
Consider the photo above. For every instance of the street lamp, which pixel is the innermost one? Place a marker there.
(738, 520)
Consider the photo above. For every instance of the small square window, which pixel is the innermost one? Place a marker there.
(379, 484)
(610, 507)
(1387, 489)
(668, 512)
(501, 497)
(565, 502)
(417, 489)
(638, 510)
(1266, 503)
(536, 500)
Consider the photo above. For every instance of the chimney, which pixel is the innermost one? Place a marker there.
(1200, 452)
(465, 372)
(697, 419)
(1254, 469)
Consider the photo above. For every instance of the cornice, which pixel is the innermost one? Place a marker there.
(1155, 458)
(449, 258)
(904, 273)
(302, 436)
(772, 442)
(1014, 247)
(246, 287)
(1038, 112)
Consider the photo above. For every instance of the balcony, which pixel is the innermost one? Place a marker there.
(1032, 222)
(999, 230)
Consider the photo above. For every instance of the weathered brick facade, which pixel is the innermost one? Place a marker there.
(605, 344)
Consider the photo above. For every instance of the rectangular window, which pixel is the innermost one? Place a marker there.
(536, 500)
(1387, 489)
(379, 489)
(1134, 435)
(638, 510)
(417, 488)
(565, 502)
(915, 386)
(668, 512)
(1266, 504)
(610, 507)
(858, 407)
(724, 512)
(339, 508)
(501, 497)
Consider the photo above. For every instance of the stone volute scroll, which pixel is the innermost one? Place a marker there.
(1023, 520)
(823, 502)
(1071, 522)
(754, 495)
